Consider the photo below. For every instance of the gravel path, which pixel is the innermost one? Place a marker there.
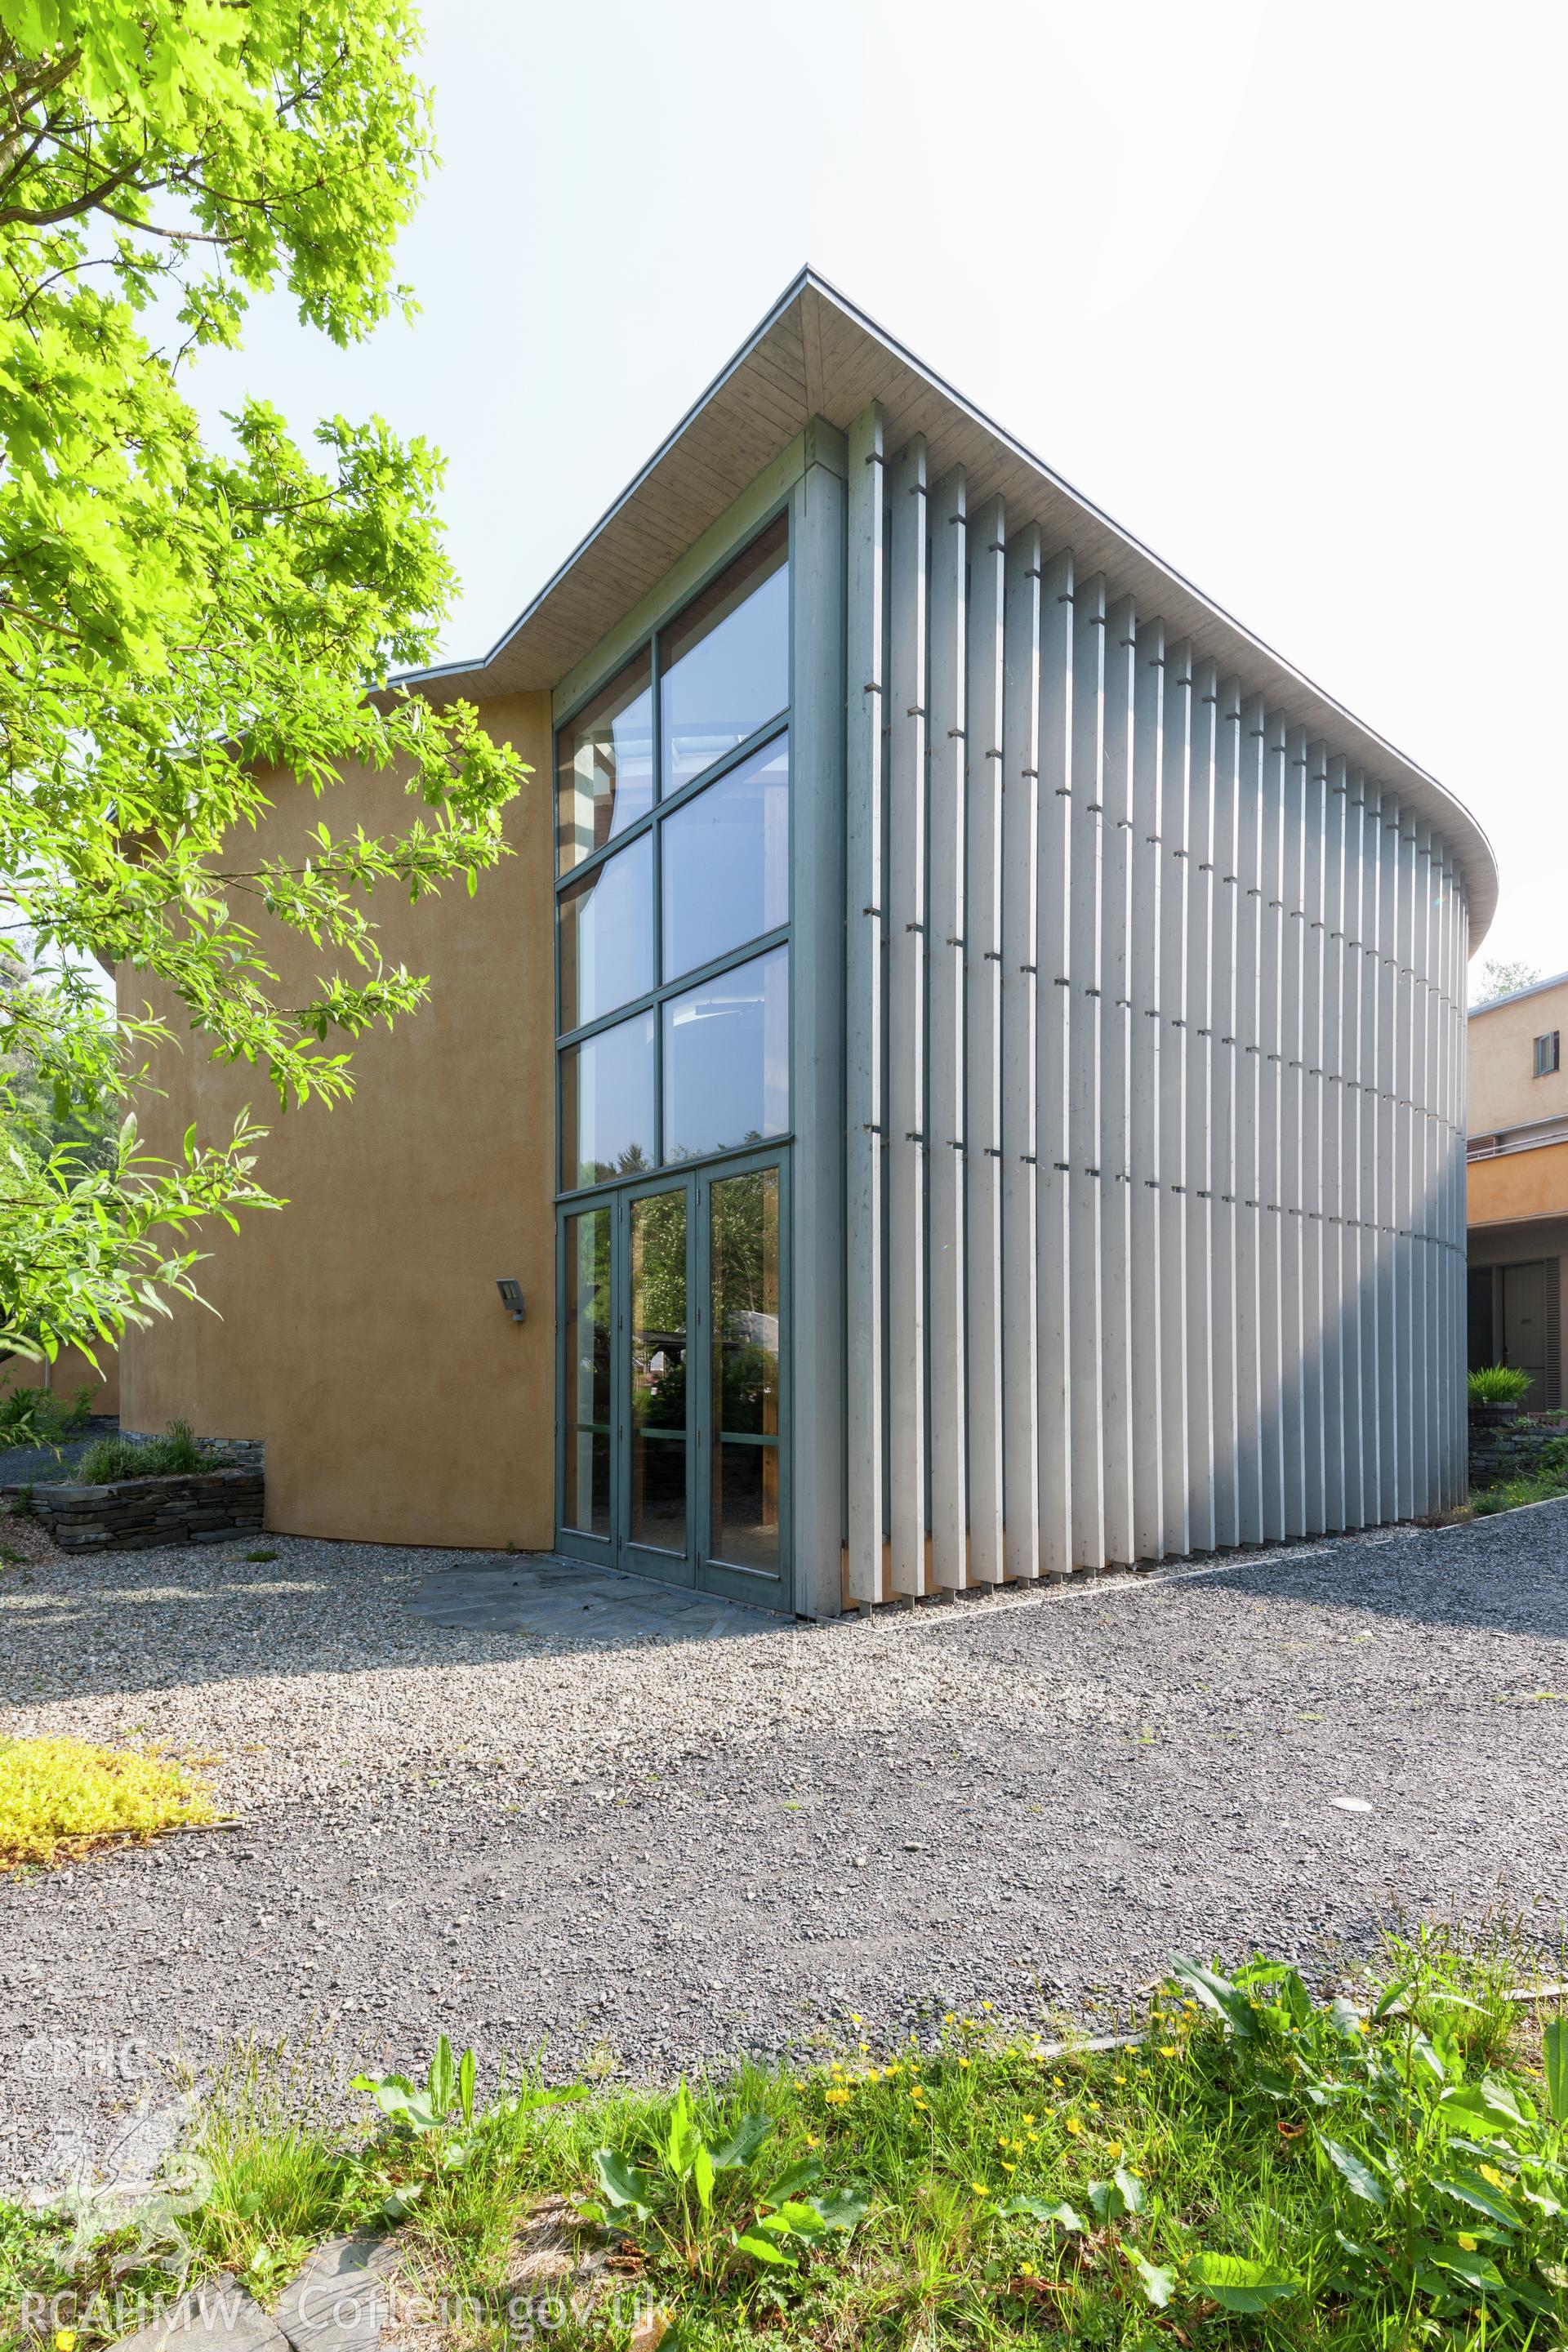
(666, 1850)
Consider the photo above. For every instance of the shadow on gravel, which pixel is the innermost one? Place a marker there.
(110, 1624)
(1507, 1573)
(118, 1623)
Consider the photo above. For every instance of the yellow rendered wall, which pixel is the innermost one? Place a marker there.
(69, 1371)
(1501, 1090)
(361, 1335)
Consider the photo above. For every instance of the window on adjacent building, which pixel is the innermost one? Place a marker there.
(1546, 1054)
(672, 826)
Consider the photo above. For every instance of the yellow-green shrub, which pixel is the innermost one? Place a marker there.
(60, 1797)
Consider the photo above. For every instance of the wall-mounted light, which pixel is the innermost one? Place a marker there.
(512, 1297)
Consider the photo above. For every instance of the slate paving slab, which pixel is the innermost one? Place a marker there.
(340, 2300)
(546, 1595)
(220, 2314)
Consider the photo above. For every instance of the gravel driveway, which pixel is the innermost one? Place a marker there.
(654, 1850)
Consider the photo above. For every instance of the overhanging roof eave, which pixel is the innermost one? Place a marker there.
(815, 353)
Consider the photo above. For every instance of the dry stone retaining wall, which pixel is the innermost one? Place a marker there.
(135, 1514)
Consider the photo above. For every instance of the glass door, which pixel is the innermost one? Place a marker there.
(745, 1551)
(674, 1424)
(657, 1528)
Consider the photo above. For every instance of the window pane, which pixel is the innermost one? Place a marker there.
(726, 1060)
(604, 765)
(659, 1371)
(587, 1501)
(724, 663)
(607, 935)
(606, 1104)
(746, 1326)
(726, 862)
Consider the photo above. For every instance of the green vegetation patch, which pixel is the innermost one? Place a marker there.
(31, 1417)
(1259, 2169)
(58, 1798)
(1547, 1477)
(150, 1457)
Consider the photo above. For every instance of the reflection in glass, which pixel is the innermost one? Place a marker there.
(724, 663)
(586, 1503)
(726, 1060)
(726, 862)
(606, 1104)
(745, 1465)
(604, 765)
(607, 935)
(659, 1371)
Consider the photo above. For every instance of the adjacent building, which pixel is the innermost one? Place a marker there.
(965, 1067)
(1516, 1184)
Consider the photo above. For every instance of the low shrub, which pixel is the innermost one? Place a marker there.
(147, 1458)
(1547, 1477)
(38, 1417)
(1498, 1384)
(60, 1797)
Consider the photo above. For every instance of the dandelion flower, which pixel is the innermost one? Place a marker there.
(1026, 2270)
(1073, 2125)
(812, 2140)
(1058, 2082)
(964, 2063)
(1463, 2238)
(1167, 2049)
(1114, 2150)
(65, 2339)
(1028, 2119)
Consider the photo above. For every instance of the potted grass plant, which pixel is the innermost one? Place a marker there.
(1497, 1394)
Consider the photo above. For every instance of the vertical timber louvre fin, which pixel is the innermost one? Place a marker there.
(1020, 803)
(983, 747)
(1085, 808)
(1058, 1305)
(946, 1153)
(864, 1157)
(906, 914)
(1145, 1298)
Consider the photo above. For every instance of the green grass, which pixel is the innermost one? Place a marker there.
(1216, 2125)
(1498, 1384)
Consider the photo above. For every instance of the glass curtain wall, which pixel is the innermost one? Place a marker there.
(672, 972)
(672, 831)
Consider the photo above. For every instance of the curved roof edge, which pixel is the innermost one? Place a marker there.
(816, 354)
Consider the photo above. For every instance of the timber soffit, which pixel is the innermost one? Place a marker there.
(814, 355)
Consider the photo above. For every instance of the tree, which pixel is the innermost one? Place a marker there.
(1503, 979)
(176, 619)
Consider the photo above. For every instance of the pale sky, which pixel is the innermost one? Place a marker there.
(1280, 286)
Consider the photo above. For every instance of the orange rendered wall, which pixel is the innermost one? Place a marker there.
(1518, 1185)
(359, 1332)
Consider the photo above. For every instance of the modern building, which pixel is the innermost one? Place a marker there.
(1517, 1183)
(966, 1065)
